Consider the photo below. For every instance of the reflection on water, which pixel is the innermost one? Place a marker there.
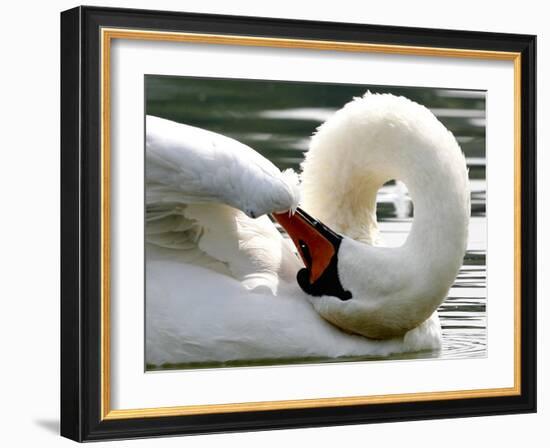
(277, 119)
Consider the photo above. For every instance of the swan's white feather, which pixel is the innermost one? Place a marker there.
(185, 164)
(193, 316)
(197, 183)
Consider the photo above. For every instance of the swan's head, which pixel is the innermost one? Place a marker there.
(318, 247)
(351, 286)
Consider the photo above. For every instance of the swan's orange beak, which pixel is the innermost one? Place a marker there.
(318, 246)
(312, 238)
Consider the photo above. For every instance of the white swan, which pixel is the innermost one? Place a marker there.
(221, 286)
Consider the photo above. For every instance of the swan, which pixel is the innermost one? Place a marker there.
(223, 284)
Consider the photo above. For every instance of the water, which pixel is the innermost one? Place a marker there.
(277, 119)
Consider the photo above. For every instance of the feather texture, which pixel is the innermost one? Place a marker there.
(185, 164)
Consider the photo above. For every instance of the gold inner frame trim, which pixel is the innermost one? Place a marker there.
(107, 35)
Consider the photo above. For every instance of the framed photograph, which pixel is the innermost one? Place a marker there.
(276, 224)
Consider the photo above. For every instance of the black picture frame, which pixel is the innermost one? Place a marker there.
(81, 224)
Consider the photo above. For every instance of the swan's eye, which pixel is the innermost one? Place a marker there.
(306, 255)
(318, 247)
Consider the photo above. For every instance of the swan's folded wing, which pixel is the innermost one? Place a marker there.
(197, 183)
(171, 235)
(188, 165)
(221, 239)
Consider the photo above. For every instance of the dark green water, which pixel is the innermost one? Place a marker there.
(277, 119)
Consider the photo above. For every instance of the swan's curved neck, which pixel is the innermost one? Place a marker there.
(437, 192)
(438, 187)
(371, 141)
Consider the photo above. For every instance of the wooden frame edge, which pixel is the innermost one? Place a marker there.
(107, 34)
